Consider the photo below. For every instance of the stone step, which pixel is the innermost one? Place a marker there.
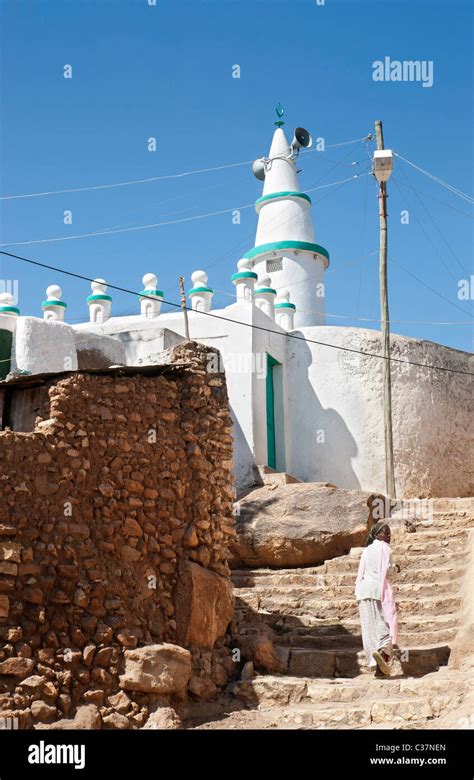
(337, 640)
(352, 662)
(428, 534)
(295, 604)
(415, 545)
(274, 689)
(268, 476)
(277, 620)
(406, 562)
(338, 703)
(309, 576)
(404, 592)
(438, 520)
(444, 504)
(271, 586)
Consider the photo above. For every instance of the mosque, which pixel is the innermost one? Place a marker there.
(306, 397)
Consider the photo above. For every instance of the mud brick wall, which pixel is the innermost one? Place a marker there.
(124, 479)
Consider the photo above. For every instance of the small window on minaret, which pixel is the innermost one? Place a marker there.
(274, 265)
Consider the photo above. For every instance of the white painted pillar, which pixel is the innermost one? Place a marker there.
(99, 303)
(200, 294)
(244, 281)
(150, 306)
(284, 310)
(53, 307)
(265, 296)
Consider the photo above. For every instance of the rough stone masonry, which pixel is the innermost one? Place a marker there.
(116, 515)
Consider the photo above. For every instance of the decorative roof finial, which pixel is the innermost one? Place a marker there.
(279, 112)
(53, 307)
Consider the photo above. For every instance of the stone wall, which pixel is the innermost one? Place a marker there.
(115, 510)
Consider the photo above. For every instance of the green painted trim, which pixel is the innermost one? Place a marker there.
(265, 290)
(274, 246)
(194, 290)
(6, 340)
(93, 298)
(156, 293)
(244, 275)
(277, 195)
(11, 309)
(54, 303)
(285, 306)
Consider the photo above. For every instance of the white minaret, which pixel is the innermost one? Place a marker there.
(285, 245)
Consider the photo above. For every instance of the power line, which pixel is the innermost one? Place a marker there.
(359, 319)
(436, 226)
(443, 183)
(440, 295)
(112, 231)
(428, 238)
(244, 324)
(429, 195)
(153, 178)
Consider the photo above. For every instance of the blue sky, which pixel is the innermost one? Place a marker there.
(142, 71)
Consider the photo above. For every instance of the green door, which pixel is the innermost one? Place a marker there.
(271, 447)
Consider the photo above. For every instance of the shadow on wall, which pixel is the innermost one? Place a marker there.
(322, 447)
(244, 460)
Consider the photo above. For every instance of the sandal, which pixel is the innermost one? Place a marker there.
(381, 658)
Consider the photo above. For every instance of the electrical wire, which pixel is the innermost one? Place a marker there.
(443, 183)
(153, 178)
(112, 231)
(245, 324)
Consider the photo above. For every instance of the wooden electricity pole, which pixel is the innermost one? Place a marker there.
(385, 327)
(183, 306)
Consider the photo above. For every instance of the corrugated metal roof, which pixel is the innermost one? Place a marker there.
(29, 380)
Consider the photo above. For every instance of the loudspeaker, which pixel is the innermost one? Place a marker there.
(258, 169)
(302, 138)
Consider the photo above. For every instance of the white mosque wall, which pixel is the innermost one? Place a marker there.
(43, 346)
(98, 351)
(335, 421)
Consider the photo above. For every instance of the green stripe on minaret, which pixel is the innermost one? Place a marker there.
(274, 246)
(286, 194)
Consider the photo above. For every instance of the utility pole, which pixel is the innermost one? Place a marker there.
(385, 326)
(183, 306)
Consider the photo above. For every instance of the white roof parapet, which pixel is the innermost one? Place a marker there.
(265, 296)
(150, 306)
(99, 303)
(200, 294)
(53, 307)
(284, 310)
(244, 280)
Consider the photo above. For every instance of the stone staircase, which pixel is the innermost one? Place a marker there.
(265, 475)
(311, 616)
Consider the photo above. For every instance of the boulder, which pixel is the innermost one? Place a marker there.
(115, 721)
(301, 524)
(163, 718)
(163, 669)
(17, 666)
(204, 605)
(43, 712)
(86, 717)
(202, 688)
(261, 651)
